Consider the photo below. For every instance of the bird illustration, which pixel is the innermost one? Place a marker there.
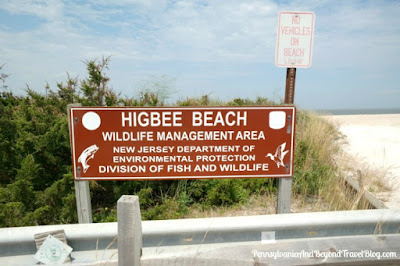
(279, 155)
(86, 155)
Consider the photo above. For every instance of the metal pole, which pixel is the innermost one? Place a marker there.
(82, 191)
(285, 184)
(290, 85)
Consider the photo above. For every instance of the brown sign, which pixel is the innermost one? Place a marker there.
(126, 143)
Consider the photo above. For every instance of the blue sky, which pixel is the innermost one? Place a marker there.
(222, 48)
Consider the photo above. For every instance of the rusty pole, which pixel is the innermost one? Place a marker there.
(290, 84)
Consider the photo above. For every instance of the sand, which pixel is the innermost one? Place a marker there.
(374, 141)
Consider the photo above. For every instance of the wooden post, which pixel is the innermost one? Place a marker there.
(83, 202)
(129, 231)
(82, 191)
(360, 180)
(285, 184)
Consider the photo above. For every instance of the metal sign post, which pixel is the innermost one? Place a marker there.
(294, 45)
(290, 85)
(285, 184)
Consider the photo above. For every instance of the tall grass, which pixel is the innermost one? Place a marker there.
(318, 181)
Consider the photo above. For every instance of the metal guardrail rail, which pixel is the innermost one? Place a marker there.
(86, 237)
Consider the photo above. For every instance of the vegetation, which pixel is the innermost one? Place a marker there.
(36, 184)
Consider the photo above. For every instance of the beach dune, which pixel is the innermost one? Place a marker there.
(374, 140)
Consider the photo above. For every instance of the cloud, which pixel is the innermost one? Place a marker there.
(220, 38)
(180, 30)
(362, 35)
(214, 31)
(46, 9)
(210, 31)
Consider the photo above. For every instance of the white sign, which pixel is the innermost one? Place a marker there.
(295, 39)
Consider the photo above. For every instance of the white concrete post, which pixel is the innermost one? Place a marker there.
(129, 231)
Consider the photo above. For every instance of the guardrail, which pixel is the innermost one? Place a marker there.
(222, 230)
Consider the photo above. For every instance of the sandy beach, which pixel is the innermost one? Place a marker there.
(374, 142)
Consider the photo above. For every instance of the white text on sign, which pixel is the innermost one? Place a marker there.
(174, 119)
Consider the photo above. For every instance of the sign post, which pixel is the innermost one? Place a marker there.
(290, 85)
(82, 190)
(285, 184)
(136, 143)
(294, 45)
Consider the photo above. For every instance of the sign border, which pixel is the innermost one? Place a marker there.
(72, 138)
(278, 34)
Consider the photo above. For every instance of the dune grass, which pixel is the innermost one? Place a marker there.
(318, 181)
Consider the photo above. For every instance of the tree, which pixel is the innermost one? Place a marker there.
(95, 89)
(3, 77)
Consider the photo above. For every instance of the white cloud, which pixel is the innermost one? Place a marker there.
(46, 9)
(208, 30)
(359, 36)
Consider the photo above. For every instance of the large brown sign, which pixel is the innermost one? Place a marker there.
(127, 143)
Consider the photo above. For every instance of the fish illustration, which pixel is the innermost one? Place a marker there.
(279, 155)
(86, 155)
